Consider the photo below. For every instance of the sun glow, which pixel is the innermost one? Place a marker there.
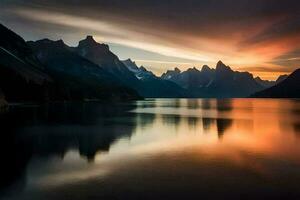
(189, 50)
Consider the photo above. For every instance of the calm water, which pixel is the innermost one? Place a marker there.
(152, 149)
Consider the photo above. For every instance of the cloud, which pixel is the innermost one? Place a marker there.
(257, 34)
(108, 32)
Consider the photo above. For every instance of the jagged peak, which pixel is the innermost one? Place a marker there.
(45, 40)
(90, 38)
(222, 66)
(220, 62)
(48, 41)
(60, 42)
(258, 78)
(205, 68)
(245, 74)
(194, 69)
(129, 61)
(282, 77)
(176, 69)
(143, 68)
(90, 41)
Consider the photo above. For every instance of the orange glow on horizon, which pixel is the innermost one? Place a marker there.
(191, 50)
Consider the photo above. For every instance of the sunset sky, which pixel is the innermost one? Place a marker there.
(260, 36)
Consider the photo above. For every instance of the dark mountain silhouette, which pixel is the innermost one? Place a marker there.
(170, 74)
(219, 82)
(265, 83)
(79, 77)
(192, 79)
(140, 72)
(281, 78)
(140, 79)
(229, 83)
(268, 84)
(21, 75)
(48, 70)
(103, 57)
(288, 88)
(153, 86)
(131, 65)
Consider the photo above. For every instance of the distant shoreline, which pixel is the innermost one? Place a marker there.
(4, 103)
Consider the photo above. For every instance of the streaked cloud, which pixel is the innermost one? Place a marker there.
(262, 36)
(108, 32)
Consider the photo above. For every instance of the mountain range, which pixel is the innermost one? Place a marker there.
(22, 75)
(267, 83)
(221, 82)
(46, 70)
(153, 86)
(287, 88)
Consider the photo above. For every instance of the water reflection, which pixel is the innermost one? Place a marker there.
(53, 130)
(153, 149)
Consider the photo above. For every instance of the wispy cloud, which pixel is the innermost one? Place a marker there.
(261, 36)
(108, 32)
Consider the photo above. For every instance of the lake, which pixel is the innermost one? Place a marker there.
(152, 149)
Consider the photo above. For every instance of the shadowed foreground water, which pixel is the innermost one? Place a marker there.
(152, 149)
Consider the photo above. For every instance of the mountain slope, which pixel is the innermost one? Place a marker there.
(288, 88)
(21, 76)
(264, 83)
(220, 82)
(153, 86)
(229, 83)
(103, 57)
(50, 70)
(281, 78)
(268, 84)
(191, 79)
(141, 73)
(79, 77)
(138, 78)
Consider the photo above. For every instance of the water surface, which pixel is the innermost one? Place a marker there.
(152, 149)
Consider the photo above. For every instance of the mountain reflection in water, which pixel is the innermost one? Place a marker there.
(152, 149)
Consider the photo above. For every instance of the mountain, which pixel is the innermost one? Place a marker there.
(268, 84)
(101, 55)
(75, 76)
(22, 77)
(153, 86)
(171, 74)
(264, 83)
(281, 78)
(287, 88)
(221, 82)
(141, 73)
(138, 78)
(192, 79)
(47, 70)
(131, 65)
(229, 83)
